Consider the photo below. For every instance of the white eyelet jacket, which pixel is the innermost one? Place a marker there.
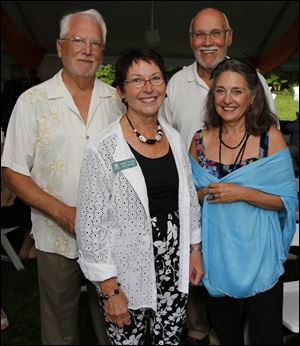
(113, 225)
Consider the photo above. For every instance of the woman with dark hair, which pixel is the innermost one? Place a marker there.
(246, 185)
(138, 215)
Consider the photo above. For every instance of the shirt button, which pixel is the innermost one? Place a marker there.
(87, 137)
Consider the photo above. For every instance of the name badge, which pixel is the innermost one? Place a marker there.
(124, 164)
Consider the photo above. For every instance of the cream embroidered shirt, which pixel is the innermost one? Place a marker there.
(113, 224)
(45, 140)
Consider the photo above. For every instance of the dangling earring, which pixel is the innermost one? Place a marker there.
(123, 100)
(166, 95)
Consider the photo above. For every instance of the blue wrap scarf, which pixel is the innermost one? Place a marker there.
(244, 246)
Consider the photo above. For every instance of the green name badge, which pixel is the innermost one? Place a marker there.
(124, 164)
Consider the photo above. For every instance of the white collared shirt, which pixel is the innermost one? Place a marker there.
(45, 140)
(184, 108)
(113, 225)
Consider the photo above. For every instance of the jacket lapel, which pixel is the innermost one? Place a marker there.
(134, 174)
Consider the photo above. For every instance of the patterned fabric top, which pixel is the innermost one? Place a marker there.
(45, 141)
(113, 224)
(220, 170)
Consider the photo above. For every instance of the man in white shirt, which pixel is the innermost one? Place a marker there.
(184, 108)
(48, 130)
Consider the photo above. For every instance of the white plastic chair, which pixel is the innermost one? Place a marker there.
(11, 254)
(291, 305)
(290, 309)
(296, 93)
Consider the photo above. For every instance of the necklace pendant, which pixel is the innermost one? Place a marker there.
(158, 136)
(142, 138)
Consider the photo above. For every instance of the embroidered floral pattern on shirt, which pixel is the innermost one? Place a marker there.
(63, 244)
(58, 169)
(43, 138)
(48, 120)
(34, 95)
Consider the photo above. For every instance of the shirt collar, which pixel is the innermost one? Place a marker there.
(56, 88)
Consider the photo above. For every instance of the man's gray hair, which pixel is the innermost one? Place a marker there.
(65, 22)
(225, 18)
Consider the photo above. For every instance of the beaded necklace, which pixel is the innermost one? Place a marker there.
(142, 138)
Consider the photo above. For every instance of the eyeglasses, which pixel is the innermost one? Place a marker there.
(201, 35)
(138, 82)
(81, 43)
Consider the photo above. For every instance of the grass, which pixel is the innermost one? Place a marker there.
(286, 107)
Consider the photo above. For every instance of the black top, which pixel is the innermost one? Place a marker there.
(162, 182)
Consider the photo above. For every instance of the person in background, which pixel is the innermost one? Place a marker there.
(48, 130)
(243, 171)
(210, 36)
(138, 215)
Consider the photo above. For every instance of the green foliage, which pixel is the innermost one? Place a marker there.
(276, 82)
(286, 107)
(282, 80)
(106, 73)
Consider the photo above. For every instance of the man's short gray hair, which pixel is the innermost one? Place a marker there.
(65, 22)
(225, 18)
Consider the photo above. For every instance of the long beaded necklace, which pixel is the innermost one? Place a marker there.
(142, 138)
(240, 154)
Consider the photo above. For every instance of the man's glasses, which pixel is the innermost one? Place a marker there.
(81, 43)
(138, 82)
(201, 35)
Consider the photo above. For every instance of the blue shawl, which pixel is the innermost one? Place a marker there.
(244, 246)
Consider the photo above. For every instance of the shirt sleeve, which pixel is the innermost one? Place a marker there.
(268, 94)
(93, 227)
(20, 141)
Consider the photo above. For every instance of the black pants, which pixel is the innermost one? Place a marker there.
(262, 311)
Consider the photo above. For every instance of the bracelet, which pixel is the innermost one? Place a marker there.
(195, 248)
(107, 296)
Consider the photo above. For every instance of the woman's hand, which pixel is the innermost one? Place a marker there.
(201, 194)
(116, 305)
(230, 192)
(116, 309)
(196, 268)
(225, 192)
